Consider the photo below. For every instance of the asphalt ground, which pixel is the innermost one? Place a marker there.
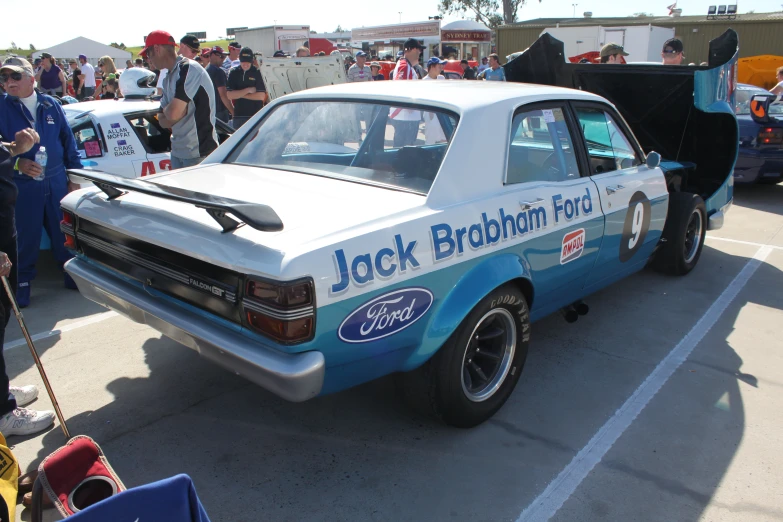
(663, 404)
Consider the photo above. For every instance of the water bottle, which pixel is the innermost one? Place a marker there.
(40, 158)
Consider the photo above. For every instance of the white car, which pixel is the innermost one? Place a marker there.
(123, 137)
(354, 231)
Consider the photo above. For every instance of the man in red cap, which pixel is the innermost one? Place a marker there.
(188, 103)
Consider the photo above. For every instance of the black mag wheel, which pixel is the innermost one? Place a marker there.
(488, 357)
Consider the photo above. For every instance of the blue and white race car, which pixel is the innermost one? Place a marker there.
(353, 231)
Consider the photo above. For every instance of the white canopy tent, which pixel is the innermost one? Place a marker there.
(90, 48)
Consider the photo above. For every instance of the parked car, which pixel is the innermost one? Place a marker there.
(310, 257)
(123, 137)
(760, 157)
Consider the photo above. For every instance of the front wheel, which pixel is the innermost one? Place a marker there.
(475, 371)
(683, 234)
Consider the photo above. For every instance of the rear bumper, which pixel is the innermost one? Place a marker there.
(758, 167)
(294, 377)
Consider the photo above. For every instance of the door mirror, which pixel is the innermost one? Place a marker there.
(653, 160)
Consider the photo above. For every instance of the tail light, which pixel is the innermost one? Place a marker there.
(770, 136)
(68, 228)
(283, 311)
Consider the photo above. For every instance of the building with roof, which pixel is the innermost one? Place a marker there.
(759, 33)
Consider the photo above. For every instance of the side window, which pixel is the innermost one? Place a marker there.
(155, 138)
(540, 148)
(86, 135)
(608, 147)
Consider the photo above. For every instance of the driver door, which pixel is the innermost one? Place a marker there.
(634, 198)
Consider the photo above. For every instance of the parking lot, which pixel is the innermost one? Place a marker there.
(664, 403)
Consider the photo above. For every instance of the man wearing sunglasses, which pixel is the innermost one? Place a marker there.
(673, 52)
(38, 203)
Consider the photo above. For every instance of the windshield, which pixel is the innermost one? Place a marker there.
(743, 101)
(390, 146)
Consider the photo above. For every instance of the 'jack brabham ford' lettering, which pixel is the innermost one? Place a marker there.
(364, 267)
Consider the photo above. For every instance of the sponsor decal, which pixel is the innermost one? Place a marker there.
(49, 119)
(489, 230)
(385, 315)
(115, 125)
(148, 167)
(573, 246)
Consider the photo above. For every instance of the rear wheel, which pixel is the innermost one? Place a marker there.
(683, 234)
(475, 371)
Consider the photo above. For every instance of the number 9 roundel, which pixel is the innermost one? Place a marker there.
(637, 223)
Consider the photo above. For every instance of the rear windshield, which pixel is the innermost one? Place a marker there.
(743, 101)
(396, 147)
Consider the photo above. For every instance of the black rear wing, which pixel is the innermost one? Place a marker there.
(260, 217)
(759, 107)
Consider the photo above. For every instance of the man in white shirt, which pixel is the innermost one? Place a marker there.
(87, 77)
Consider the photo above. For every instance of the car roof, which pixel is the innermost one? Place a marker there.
(456, 95)
(100, 108)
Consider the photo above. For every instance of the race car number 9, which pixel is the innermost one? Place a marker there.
(637, 223)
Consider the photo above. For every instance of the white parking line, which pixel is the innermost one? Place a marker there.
(564, 485)
(67, 328)
(759, 245)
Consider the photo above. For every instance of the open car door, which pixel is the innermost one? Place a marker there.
(286, 75)
(685, 113)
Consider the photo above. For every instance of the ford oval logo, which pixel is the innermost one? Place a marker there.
(385, 315)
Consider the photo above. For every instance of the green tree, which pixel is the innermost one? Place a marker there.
(32, 47)
(485, 11)
(643, 14)
(117, 45)
(339, 29)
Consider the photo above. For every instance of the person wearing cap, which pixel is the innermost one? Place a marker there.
(673, 52)
(232, 60)
(188, 102)
(406, 68)
(359, 72)
(468, 72)
(245, 88)
(189, 46)
(224, 109)
(282, 54)
(38, 203)
(434, 69)
(613, 53)
(484, 65)
(375, 71)
(495, 73)
(86, 80)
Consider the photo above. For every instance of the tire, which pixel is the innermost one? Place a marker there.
(683, 234)
(440, 387)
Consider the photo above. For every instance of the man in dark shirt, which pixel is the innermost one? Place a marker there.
(468, 72)
(224, 109)
(14, 420)
(245, 88)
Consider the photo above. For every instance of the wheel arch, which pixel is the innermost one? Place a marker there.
(470, 289)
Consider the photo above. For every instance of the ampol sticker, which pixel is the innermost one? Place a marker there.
(573, 246)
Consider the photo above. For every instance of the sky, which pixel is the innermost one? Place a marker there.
(110, 23)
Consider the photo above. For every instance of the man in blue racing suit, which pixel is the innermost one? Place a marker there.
(38, 204)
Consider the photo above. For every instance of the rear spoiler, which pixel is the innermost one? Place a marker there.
(759, 107)
(260, 217)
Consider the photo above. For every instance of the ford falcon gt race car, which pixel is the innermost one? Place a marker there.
(352, 231)
(123, 137)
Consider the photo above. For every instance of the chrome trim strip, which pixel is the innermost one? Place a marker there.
(290, 315)
(294, 377)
